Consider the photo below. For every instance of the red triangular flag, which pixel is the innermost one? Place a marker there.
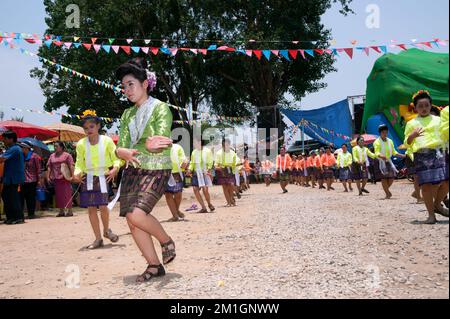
(349, 52)
(93, 40)
(376, 49)
(293, 53)
(155, 50)
(1, 39)
(87, 46)
(203, 51)
(58, 43)
(402, 46)
(320, 51)
(428, 44)
(258, 54)
(126, 48)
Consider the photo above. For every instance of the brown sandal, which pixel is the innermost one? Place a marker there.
(211, 208)
(96, 244)
(168, 253)
(147, 274)
(203, 211)
(111, 236)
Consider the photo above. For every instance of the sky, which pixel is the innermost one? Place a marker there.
(400, 20)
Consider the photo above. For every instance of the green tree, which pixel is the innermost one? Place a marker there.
(229, 83)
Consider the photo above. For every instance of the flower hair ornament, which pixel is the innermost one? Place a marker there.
(421, 92)
(151, 77)
(89, 113)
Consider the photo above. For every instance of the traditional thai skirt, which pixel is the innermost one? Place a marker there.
(178, 187)
(345, 174)
(359, 171)
(225, 176)
(430, 166)
(142, 188)
(94, 197)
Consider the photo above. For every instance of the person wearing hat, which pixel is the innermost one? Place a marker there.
(384, 150)
(13, 177)
(32, 174)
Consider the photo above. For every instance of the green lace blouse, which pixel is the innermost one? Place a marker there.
(159, 124)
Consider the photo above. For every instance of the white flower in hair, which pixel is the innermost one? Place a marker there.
(151, 77)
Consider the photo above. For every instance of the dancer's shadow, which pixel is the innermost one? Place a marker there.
(107, 246)
(158, 282)
(439, 222)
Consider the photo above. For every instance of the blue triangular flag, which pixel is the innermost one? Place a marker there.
(22, 50)
(435, 43)
(58, 38)
(107, 48)
(310, 52)
(48, 43)
(76, 44)
(383, 48)
(240, 51)
(266, 54)
(212, 47)
(165, 51)
(335, 52)
(136, 49)
(285, 54)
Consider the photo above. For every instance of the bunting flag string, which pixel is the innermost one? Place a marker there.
(104, 119)
(119, 90)
(287, 54)
(323, 140)
(327, 131)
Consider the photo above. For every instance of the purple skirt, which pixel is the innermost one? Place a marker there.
(94, 197)
(430, 168)
(359, 172)
(178, 187)
(328, 173)
(345, 174)
(225, 177)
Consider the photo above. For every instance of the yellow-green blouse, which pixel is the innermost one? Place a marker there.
(110, 156)
(431, 138)
(197, 159)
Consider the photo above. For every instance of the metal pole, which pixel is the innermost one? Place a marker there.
(303, 137)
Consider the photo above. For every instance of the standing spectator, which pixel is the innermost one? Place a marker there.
(63, 188)
(13, 177)
(32, 171)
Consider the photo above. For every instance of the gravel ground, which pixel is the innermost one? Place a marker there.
(304, 244)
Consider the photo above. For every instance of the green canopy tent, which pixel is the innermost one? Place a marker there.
(396, 77)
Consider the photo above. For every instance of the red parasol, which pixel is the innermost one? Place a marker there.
(368, 139)
(28, 130)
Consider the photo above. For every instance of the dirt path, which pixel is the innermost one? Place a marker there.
(304, 244)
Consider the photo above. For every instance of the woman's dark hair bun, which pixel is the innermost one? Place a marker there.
(136, 67)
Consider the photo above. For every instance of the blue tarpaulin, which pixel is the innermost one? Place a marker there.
(335, 117)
